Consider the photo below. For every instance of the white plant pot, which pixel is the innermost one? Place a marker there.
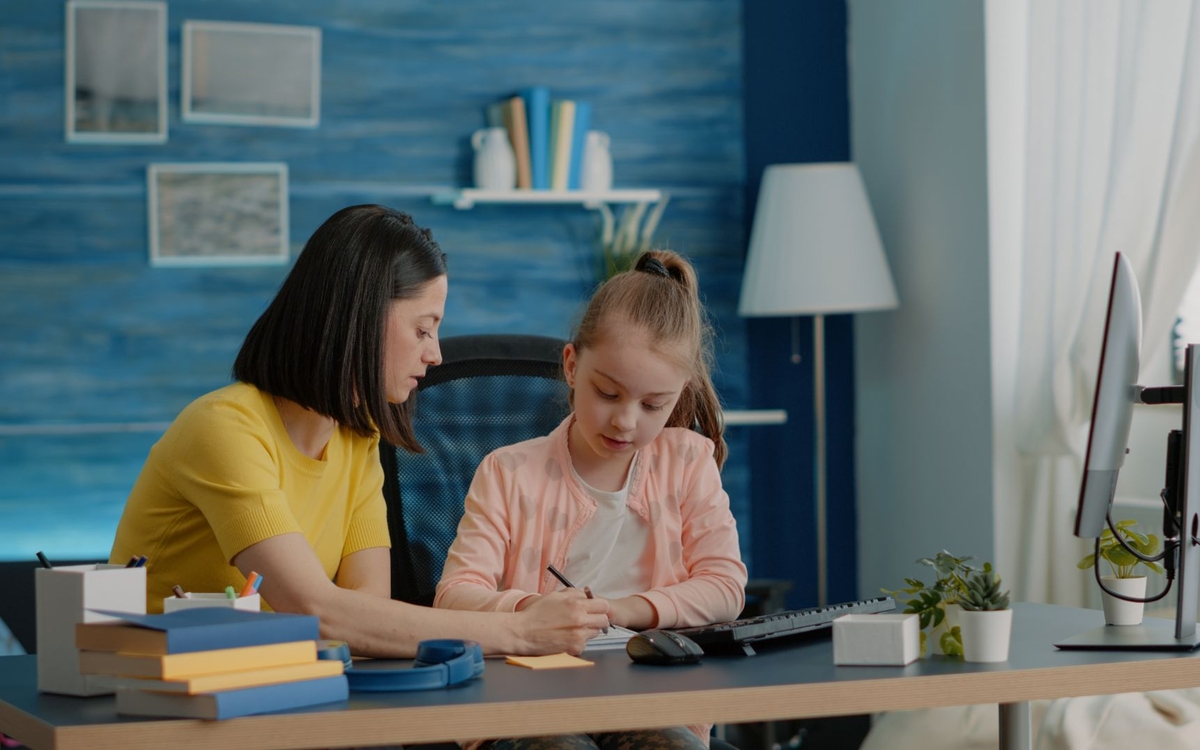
(1118, 611)
(985, 635)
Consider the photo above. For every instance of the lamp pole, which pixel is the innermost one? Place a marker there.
(819, 424)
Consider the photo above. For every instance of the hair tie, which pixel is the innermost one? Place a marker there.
(651, 265)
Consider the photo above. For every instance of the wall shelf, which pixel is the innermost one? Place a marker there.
(467, 198)
(736, 417)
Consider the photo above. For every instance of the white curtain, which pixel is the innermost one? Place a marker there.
(1112, 164)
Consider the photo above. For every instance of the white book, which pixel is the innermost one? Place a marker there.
(615, 638)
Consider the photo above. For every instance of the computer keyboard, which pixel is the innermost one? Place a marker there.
(737, 635)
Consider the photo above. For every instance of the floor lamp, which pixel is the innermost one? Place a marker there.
(815, 250)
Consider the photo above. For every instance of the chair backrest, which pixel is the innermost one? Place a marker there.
(491, 390)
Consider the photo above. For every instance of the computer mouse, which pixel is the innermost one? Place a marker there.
(663, 647)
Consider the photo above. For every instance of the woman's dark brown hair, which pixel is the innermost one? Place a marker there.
(320, 341)
(662, 296)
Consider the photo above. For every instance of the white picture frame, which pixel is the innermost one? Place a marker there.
(116, 71)
(218, 213)
(251, 74)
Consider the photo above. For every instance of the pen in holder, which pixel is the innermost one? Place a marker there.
(64, 596)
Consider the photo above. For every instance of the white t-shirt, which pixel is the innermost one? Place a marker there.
(610, 552)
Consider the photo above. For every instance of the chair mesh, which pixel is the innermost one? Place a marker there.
(483, 405)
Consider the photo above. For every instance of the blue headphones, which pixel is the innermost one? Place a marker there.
(439, 663)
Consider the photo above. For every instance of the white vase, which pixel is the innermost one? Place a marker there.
(597, 170)
(985, 634)
(1118, 611)
(495, 165)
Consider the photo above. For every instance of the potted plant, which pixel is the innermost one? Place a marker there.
(1123, 566)
(937, 605)
(985, 620)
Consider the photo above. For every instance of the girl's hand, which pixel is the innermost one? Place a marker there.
(557, 622)
(632, 612)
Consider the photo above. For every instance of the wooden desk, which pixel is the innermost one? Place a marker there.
(793, 682)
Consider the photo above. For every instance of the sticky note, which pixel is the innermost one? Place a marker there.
(553, 661)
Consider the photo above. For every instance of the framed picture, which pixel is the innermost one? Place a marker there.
(116, 71)
(251, 74)
(213, 214)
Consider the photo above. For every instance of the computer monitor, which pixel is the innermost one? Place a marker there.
(1117, 391)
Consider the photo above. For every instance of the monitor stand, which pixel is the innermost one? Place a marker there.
(1149, 636)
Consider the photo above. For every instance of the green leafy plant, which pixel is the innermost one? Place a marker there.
(1122, 562)
(983, 592)
(621, 242)
(929, 602)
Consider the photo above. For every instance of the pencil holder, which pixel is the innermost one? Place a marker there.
(64, 597)
(174, 603)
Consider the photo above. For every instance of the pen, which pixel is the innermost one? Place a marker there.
(132, 562)
(248, 589)
(563, 579)
(42, 559)
(141, 562)
(257, 583)
(179, 591)
(230, 593)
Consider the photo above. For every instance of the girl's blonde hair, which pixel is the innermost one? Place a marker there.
(661, 295)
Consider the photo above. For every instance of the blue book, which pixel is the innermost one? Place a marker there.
(583, 121)
(229, 704)
(537, 112)
(198, 629)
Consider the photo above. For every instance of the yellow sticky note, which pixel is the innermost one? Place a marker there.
(553, 661)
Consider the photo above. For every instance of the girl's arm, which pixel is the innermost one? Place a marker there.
(359, 611)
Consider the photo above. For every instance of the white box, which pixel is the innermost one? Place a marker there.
(64, 596)
(880, 640)
(192, 601)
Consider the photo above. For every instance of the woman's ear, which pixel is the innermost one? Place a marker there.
(569, 364)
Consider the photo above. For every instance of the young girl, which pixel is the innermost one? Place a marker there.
(624, 497)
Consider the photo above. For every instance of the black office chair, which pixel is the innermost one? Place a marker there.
(489, 391)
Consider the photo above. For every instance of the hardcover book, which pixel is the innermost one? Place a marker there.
(228, 704)
(195, 664)
(190, 630)
(230, 680)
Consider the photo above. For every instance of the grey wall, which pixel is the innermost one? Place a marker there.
(917, 108)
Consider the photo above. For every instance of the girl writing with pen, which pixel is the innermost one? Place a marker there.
(625, 496)
(279, 472)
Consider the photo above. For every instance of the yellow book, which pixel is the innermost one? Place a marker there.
(230, 680)
(197, 663)
(561, 144)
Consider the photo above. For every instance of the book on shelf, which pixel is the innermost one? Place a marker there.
(230, 680)
(563, 114)
(197, 663)
(191, 630)
(583, 121)
(518, 134)
(537, 115)
(228, 704)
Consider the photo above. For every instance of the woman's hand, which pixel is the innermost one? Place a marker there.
(557, 622)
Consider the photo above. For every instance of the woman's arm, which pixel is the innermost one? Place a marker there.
(360, 612)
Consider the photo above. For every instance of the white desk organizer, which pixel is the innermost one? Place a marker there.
(64, 595)
(173, 603)
(880, 640)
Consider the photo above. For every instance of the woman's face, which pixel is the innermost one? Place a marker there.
(410, 339)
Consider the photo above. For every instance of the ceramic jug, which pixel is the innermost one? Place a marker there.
(597, 171)
(495, 165)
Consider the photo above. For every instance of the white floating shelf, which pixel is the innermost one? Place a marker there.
(468, 197)
(755, 417)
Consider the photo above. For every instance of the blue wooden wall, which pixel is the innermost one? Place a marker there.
(98, 350)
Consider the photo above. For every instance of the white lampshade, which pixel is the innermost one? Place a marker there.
(814, 248)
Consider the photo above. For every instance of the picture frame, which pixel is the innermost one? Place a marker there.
(116, 71)
(251, 74)
(218, 213)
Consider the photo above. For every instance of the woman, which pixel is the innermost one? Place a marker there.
(279, 473)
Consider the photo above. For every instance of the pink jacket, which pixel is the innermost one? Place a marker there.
(525, 508)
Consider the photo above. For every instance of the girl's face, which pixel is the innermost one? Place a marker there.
(410, 339)
(624, 393)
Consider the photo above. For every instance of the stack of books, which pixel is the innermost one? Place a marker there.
(210, 663)
(547, 137)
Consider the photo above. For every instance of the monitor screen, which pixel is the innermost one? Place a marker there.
(1112, 407)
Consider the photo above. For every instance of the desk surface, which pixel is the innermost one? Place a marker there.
(795, 681)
